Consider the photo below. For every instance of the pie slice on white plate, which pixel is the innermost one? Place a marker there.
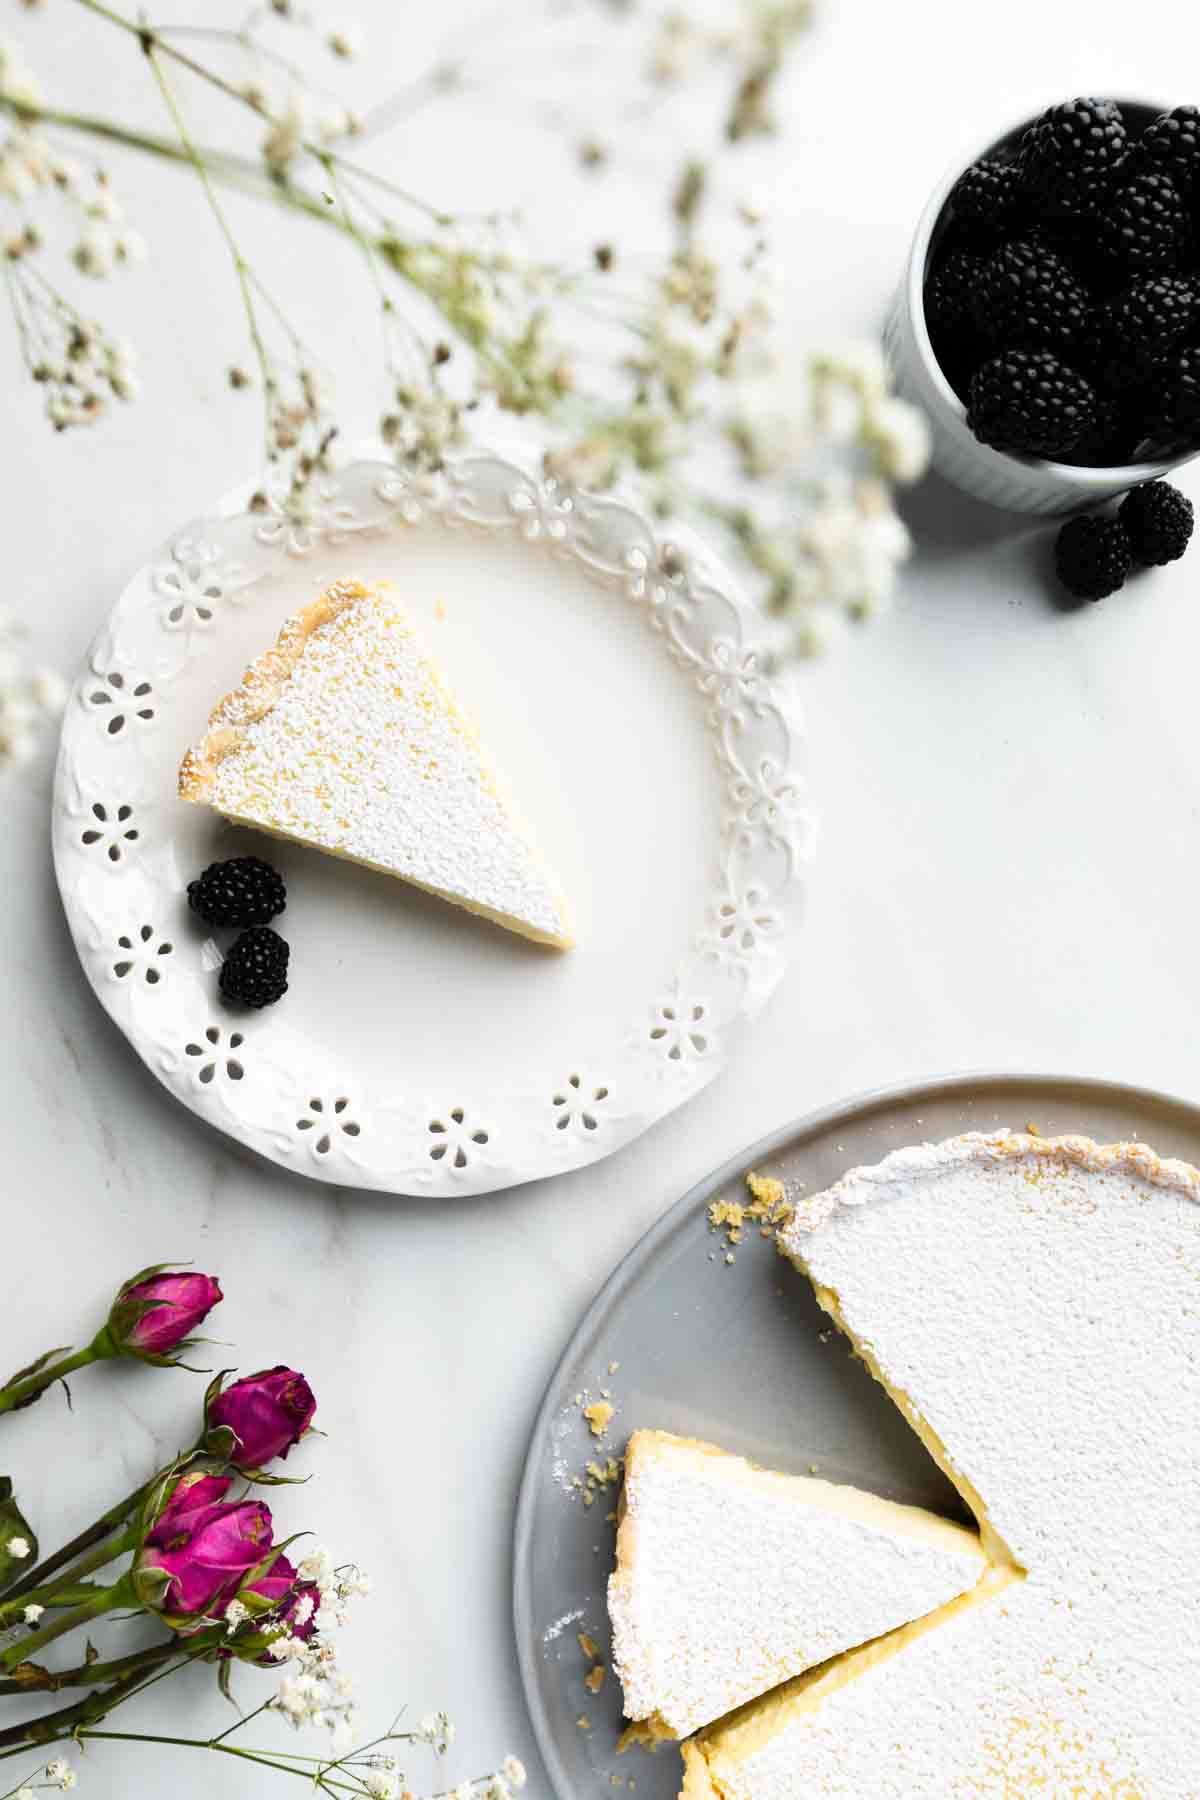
(730, 1579)
(342, 736)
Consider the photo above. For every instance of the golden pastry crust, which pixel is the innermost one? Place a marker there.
(260, 688)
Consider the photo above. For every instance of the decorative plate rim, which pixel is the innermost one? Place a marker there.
(112, 854)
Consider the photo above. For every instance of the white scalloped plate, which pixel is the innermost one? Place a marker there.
(616, 683)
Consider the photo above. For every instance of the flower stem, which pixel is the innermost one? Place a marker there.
(74, 1594)
(20, 1393)
(240, 266)
(104, 1527)
(92, 1674)
(102, 1601)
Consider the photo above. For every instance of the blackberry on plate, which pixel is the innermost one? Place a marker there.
(1092, 556)
(1030, 401)
(988, 197)
(1144, 322)
(1145, 223)
(241, 891)
(1172, 143)
(1158, 522)
(255, 971)
(1027, 298)
(1071, 154)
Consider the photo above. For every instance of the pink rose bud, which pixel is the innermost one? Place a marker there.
(199, 1551)
(265, 1415)
(155, 1313)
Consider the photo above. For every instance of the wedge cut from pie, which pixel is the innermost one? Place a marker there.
(731, 1578)
(1033, 1306)
(342, 736)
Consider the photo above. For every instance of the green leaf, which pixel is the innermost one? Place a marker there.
(14, 1528)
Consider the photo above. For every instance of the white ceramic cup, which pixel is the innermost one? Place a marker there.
(1025, 484)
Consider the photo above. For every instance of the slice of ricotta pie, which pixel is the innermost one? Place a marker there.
(731, 1579)
(342, 736)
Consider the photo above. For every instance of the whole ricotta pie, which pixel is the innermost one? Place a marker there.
(1033, 1307)
(730, 1578)
(342, 736)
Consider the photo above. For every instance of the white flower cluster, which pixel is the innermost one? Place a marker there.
(57, 1774)
(106, 242)
(80, 367)
(508, 1780)
(319, 1692)
(27, 702)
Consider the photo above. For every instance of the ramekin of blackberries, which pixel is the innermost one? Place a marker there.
(1049, 321)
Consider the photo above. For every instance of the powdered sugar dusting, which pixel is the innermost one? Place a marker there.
(1038, 1302)
(724, 1585)
(343, 737)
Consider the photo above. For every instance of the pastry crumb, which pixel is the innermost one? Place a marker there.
(599, 1416)
(593, 1681)
(640, 1734)
(583, 1722)
(589, 1646)
(1032, 1129)
(613, 1367)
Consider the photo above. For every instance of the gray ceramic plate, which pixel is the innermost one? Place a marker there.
(740, 1354)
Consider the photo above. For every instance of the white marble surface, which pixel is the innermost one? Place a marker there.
(1007, 875)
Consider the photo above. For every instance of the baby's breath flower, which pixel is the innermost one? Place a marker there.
(287, 134)
(33, 1611)
(380, 1786)
(19, 1547)
(513, 1771)
(93, 254)
(437, 1731)
(899, 435)
(129, 247)
(60, 1774)
(345, 38)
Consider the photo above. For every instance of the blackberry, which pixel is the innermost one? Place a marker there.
(1172, 144)
(1158, 522)
(242, 891)
(1027, 298)
(1029, 401)
(1092, 556)
(1145, 224)
(1108, 440)
(1143, 323)
(1175, 404)
(948, 295)
(1071, 155)
(989, 197)
(255, 971)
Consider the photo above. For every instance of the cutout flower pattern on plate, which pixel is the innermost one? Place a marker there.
(217, 1054)
(111, 830)
(139, 955)
(326, 1119)
(455, 1139)
(579, 1103)
(120, 702)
